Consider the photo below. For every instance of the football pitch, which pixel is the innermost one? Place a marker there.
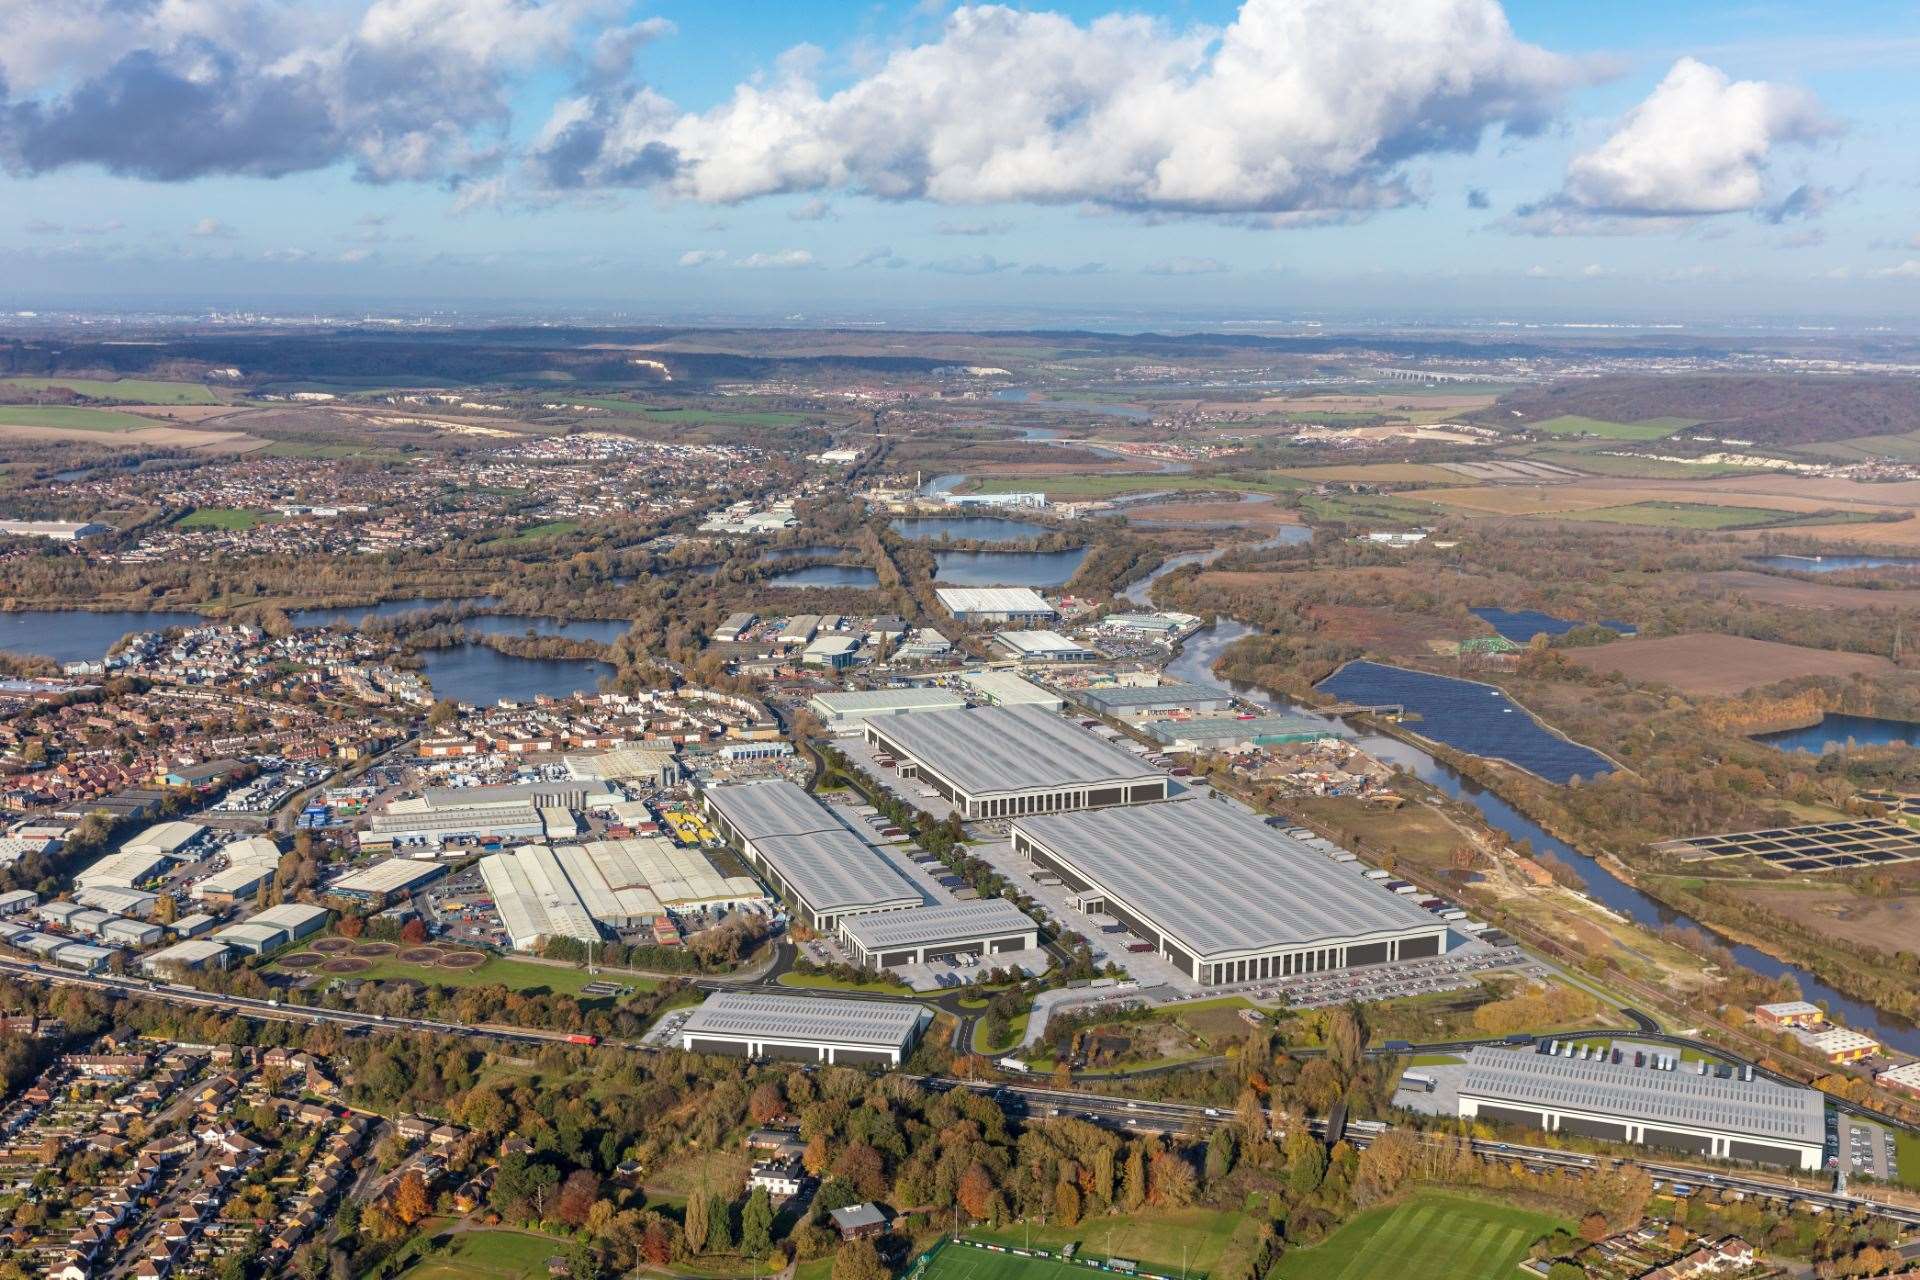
(1432, 1237)
(963, 1262)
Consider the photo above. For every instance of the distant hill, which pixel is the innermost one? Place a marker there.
(1777, 409)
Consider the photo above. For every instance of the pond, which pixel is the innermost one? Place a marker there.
(475, 674)
(980, 528)
(81, 635)
(1007, 568)
(1521, 625)
(1836, 731)
(775, 554)
(828, 575)
(1834, 564)
(1468, 716)
(1195, 664)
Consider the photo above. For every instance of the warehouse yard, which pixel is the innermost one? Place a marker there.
(1720, 666)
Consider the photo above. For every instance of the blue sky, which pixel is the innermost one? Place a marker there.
(1292, 157)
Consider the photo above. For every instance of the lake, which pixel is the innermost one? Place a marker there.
(1521, 625)
(775, 554)
(1007, 568)
(828, 575)
(1835, 731)
(478, 675)
(80, 635)
(1467, 716)
(980, 528)
(1195, 665)
(1834, 564)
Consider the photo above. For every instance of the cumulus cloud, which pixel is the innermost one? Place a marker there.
(400, 89)
(881, 256)
(1186, 267)
(701, 257)
(1297, 106)
(971, 264)
(212, 229)
(1907, 270)
(1699, 145)
(1047, 269)
(779, 258)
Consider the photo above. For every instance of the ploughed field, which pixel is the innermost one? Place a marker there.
(1720, 666)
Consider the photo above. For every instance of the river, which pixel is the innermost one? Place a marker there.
(1203, 649)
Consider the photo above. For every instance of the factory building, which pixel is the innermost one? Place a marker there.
(986, 928)
(1223, 896)
(394, 878)
(846, 712)
(273, 928)
(993, 762)
(510, 811)
(807, 854)
(1005, 689)
(1127, 701)
(188, 957)
(535, 898)
(1043, 647)
(996, 604)
(804, 1028)
(1220, 733)
(1639, 1094)
(123, 870)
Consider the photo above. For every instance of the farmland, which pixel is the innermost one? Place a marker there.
(1720, 666)
(70, 417)
(123, 391)
(1570, 424)
(1434, 1237)
(1793, 593)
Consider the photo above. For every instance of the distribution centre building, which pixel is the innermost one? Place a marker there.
(1650, 1099)
(1044, 647)
(996, 604)
(1214, 733)
(804, 1028)
(1005, 689)
(986, 927)
(845, 712)
(1001, 762)
(1122, 701)
(1223, 896)
(807, 854)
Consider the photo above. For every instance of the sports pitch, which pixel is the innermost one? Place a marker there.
(962, 1262)
(1431, 1237)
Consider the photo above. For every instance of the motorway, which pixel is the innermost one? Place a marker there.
(1036, 1101)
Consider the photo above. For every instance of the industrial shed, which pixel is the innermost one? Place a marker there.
(996, 604)
(1647, 1098)
(1223, 896)
(805, 1028)
(847, 711)
(997, 762)
(807, 854)
(987, 927)
(1125, 701)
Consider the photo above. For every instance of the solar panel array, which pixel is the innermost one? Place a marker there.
(1824, 846)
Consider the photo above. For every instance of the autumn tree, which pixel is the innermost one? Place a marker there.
(410, 1200)
(859, 1260)
(975, 1192)
(577, 1196)
(766, 1104)
(694, 1224)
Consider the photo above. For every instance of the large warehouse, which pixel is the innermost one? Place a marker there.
(534, 897)
(847, 711)
(1001, 762)
(988, 927)
(1223, 896)
(809, 856)
(509, 811)
(996, 604)
(1123, 701)
(1649, 1099)
(804, 1028)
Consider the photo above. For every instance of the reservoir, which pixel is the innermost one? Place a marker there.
(1835, 731)
(475, 674)
(1007, 568)
(1195, 664)
(1521, 625)
(1834, 564)
(828, 575)
(603, 630)
(979, 528)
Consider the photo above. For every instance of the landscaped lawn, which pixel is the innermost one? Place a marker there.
(515, 975)
(1568, 424)
(218, 518)
(823, 982)
(488, 1255)
(551, 529)
(1154, 1239)
(1431, 1237)
(1906, 1149)
(125, 390)
(72, 417)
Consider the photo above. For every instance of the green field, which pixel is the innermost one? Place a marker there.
(695, 417)
(826, 982)
(551, 529)
(1901, 448)
(1569, 424)
(1153, 1239)
(515, 975)
(126, 390)
(1108, 484)
(1631, 468)
(72, 417)
(488, 1255)
(219, 518)
(1680, 515)
(1432, 1237)
(1906, 1149)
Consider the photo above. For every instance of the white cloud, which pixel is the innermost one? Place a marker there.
(881, 256)
(971, 264)
(814, 210)
(1297, 106)
(212, 229)
(1698, 145)
(973, 228)
(780, 258)
(1186, 267)
(1907, 270)
(701, 257)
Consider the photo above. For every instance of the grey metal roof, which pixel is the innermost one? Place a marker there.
(928, 926)
(886, 699)
(738, 1014)
(834, 870)
(1021, 748)
(1220, 881)
(1759, 1108)
(778, 808)
(1126, 697)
